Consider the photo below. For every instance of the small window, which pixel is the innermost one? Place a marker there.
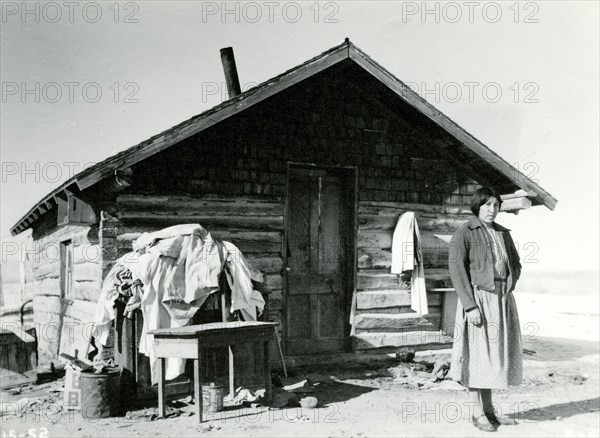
(66, 268)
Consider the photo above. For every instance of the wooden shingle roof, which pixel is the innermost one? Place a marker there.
(341, 53)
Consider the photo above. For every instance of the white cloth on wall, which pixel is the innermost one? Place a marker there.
(407, 256)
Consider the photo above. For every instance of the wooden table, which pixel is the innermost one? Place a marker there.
(189, 343)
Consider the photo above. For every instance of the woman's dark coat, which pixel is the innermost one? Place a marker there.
(471, 261)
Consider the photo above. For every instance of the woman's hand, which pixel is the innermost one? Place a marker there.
(474, 316)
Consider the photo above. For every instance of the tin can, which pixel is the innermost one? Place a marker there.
(100, 396)
(212, 397)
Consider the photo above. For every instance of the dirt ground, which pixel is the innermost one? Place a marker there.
(560, 396)
(557, 398)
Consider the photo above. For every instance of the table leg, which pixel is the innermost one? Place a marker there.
(162, 408)
(267, 371)
(198, 384)
(231, 374)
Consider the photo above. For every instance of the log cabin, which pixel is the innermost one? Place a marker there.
(307, 173)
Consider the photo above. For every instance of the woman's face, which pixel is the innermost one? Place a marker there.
(489, 210)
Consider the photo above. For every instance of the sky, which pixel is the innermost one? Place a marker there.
(84, 80)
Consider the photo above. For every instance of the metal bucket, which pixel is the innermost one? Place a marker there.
(212, 398)
(100, 394)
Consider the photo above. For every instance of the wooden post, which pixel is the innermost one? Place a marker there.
(22, 280)
(281, 353)
(267, 373)
(231, 374)
(162, 408)
(230, 351)
(197, 382)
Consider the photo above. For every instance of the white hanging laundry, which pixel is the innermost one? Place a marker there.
(179, 268)
(407, 256)
(105, 312)
(239, 276)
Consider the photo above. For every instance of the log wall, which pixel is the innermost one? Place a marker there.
(63, 322)
(376, 224)
(383, 299)
(253, 224)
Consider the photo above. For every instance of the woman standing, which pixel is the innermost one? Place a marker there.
(484, 268)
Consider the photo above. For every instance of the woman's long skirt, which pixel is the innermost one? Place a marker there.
(489, 355)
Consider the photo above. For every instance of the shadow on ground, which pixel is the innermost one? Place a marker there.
(330, 392)
(534, 414)
(559, 348)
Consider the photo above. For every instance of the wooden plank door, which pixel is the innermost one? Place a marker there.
(317, 262)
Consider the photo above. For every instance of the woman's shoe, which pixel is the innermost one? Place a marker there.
(502, 421)
(482, 423)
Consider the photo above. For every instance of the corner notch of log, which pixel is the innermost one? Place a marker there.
(517, 201)
(73, 208)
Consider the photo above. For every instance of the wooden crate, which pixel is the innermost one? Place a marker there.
(18, 355)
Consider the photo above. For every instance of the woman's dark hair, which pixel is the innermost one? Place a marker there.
(481, 196)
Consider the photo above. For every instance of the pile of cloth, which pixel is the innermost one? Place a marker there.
(169, 275)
